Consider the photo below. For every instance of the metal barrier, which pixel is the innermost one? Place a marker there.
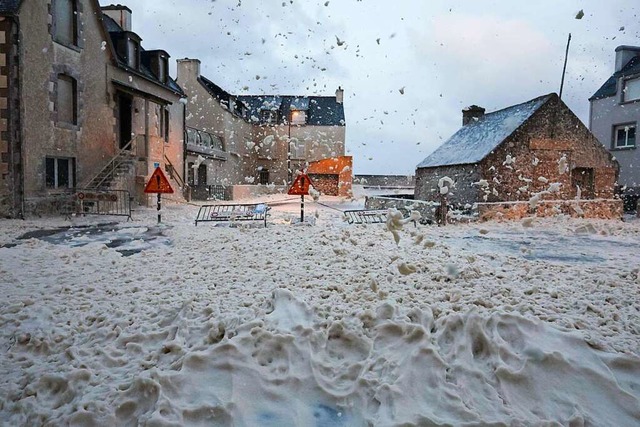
(370, 216)
(112, 202)
(366, 216)
(238, 212)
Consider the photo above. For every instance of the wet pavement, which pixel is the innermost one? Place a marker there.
(125, 239)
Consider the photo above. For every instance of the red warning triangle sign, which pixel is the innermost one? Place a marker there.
(300, 186)
(158, 183)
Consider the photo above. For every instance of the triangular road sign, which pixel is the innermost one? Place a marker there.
(300, 186)
(158, 183)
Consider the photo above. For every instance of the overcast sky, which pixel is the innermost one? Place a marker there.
(407, 67)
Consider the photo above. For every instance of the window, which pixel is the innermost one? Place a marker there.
(298, 149)
(65, 18)
(66, 100)
(298, 117)
(133, 54)
(164, 123)
(59, 172)
(624, 136)
(269, 117)
(193, 136)
(163, 68)
(631, 90)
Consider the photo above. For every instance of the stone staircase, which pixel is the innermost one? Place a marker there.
(122, 164)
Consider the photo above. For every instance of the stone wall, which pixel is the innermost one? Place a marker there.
(427, 209)
(463, 191)
(602, 209)
(325, 183)
(386, 180)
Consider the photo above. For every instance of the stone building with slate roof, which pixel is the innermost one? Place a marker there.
(259, 139)
(534, 151)
(75, 88)
(614, 119)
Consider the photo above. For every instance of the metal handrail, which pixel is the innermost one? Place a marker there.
(173, 173)
(111, 164)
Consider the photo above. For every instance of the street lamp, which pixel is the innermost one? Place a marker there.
(289, 171)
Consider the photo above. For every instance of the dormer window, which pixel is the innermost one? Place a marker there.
(269, 117)
(163, 68)
(133, 53)
(298, 117)
(65, 19)
(631, 90)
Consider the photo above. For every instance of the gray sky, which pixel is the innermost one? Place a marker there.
(444, 56)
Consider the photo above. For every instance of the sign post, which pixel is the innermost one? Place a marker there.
(158, 183)
(301, 187)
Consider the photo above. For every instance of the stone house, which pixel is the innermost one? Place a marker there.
(235, 140)
(614, 117)
(75, 87)
(538, 153)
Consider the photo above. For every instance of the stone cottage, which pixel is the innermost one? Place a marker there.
(535, 157)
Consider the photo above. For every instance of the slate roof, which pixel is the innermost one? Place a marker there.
(9, 6)
(114, 30)
(609, 87)
(476, 140)
(321, 110)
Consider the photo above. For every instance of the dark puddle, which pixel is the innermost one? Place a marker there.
(126, 239)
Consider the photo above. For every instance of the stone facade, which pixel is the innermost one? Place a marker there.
(59, 110)
(552, 146)
(251, 151)
(11, 168)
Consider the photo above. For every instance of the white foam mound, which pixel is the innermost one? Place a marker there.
(385, 367)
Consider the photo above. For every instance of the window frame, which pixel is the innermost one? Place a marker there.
(269, 117)
(74, 99)
(54, 179)
(74, 22)
(636, 80)
(133, 53)
(615, 139)
(298, 149)
(164, 123)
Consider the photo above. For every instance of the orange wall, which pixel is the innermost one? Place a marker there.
(341, 166)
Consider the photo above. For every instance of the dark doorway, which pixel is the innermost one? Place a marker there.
(583, 178)
(124, 118)
(263, 177)
(202, 175)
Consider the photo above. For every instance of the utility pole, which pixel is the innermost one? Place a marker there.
(564, 69)
(289, 172)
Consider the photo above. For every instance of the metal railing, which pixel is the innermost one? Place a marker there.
(112, 202)
(108, 172)
(173, 173)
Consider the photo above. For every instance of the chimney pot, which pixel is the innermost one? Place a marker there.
(339, 95)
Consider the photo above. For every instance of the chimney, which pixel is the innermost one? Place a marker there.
(119, 13)
(471, 113)
(188, 69)
(339, 95)
(624, 54)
